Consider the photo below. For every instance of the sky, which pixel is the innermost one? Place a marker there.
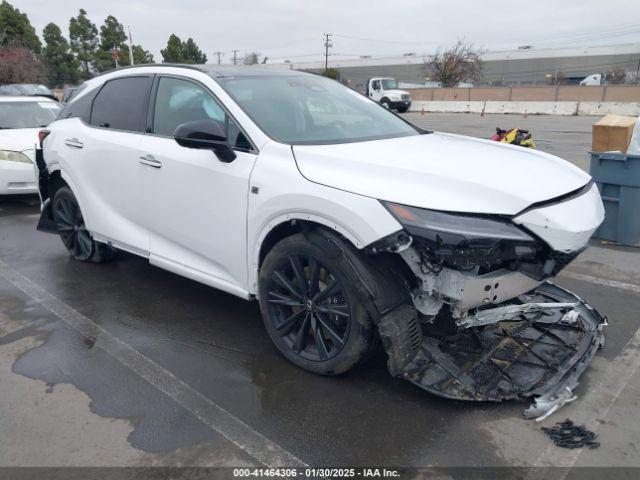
(294, 29)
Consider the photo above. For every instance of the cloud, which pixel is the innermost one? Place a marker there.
(294, 28)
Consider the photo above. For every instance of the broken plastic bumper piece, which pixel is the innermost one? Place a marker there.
(535, 346)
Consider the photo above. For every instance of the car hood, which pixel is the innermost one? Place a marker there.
(19, 139)
(442, 172)
(396, 92)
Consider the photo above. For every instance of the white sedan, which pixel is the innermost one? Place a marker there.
(21, 118)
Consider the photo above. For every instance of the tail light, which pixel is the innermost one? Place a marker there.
(42, 134)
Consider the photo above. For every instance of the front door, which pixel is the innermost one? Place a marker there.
(197, 204)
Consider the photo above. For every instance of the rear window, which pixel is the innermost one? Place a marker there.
(121, 104)
(27, 114)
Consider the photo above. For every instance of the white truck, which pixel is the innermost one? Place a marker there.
(594, 79)
(386, 92)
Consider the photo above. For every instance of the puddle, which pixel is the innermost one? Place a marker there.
(66, 357)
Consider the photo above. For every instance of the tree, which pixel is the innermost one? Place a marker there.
(616, 77)
(192, 54)
(173, 52)
(332, 73)
(19, 65)
(112, 35)
(83, 36)
(178, 51)
(16, 29)
(60, 64)
(457, 64)
(140, 55)
(251, 58)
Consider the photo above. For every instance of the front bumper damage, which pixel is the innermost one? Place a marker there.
(543, 342)
(491, 336)
(466, 335)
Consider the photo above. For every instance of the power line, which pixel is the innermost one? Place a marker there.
(218, 54)
(235, 56)
(378, 40)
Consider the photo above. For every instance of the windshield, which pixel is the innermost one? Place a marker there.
(24, 89)
(309, 109)
(27, 114)
(389, 84)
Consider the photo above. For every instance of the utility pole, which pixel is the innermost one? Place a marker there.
(235, 56)
(327, 45)
(218, 54)
(130, 47)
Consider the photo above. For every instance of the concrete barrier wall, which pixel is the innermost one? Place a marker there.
(622, 93)
(454, 94)
(580, 94)
(529, 107)
(489, 93)
(533, 94)
(559, 93)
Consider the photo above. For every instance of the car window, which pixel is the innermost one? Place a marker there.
(389, 84)
(121, 104)
(310, 109)
(27, 114)
(179, 101)
(80, 107)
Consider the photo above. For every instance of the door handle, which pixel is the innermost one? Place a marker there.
(73, 142)
(150, 161)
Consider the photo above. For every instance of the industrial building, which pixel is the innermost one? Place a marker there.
(522, 67)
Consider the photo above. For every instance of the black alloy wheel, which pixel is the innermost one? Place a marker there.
(71, 228)
(73, 231)
(311, 310)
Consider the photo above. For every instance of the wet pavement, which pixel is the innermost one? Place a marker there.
(126, 364)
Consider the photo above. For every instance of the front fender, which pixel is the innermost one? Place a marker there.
(280, 193)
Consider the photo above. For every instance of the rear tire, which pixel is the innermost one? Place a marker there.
(73, 232)
(311, 309)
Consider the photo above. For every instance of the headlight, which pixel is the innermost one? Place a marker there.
(464, 241)
(14, 156)
(432, 223)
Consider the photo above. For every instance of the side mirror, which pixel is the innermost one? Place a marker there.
(205, 134)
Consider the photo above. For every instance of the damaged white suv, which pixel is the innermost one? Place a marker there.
(347, 223)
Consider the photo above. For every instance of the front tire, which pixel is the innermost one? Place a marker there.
(72, 230)
(402, 109)
(386, 103)
(310, 307)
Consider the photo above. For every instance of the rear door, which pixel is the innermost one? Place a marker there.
(108, 169)
(197, 205)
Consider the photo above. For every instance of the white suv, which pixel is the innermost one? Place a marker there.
(346, 222)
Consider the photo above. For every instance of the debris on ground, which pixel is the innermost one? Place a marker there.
(569, 435)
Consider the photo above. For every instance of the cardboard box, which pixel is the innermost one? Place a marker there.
(612, 133)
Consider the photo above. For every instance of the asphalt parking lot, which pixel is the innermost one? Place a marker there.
(126, 364)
